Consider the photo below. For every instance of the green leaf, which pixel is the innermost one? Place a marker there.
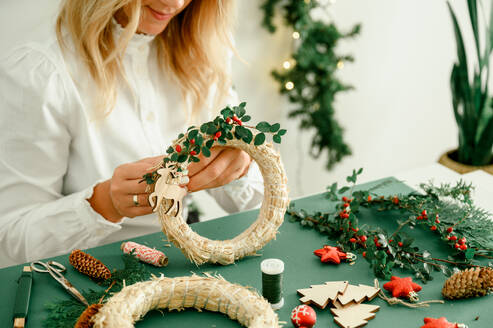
(181, 135)
(193, 134)
(227, 112)
(343, 190)
(174, 157)
(282, 132)
(206, 152)
(248, 136)
(209, 143)
(277, 139)
(275, 127)
(182, 158)
(259, 139)
(170, 150)
(263, 126)
(204, 127)
(470, 253)
(222, 141)
(240, 111)
(211, 129)
(194, 159)
(246, 118)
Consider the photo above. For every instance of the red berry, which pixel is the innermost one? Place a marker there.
(375, 239)
(353, 240)
(178, 148)
(377, 244)
(462, 241)
(363, 238)
(457, 245)
(218, 134)
(369, 198)
(391, 240)
(395, 200)
(453, 238)
(437, 220)
(344, 199)
(419, 218)
(193, 153)
(450, 229)
(388, 252)
(433, 228)
(228, 120)
(424, 213)
(345, 216)
(192, 141)
(364, 254)
(400, 244)
(354, 229)
(463, 247)
(345, 204)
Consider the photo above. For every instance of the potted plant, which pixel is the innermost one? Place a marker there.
(472, 104)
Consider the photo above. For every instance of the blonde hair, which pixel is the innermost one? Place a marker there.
(193, 46)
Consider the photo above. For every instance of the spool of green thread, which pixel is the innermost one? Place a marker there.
(272, 270)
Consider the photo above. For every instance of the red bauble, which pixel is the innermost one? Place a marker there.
(402, 287)
(438, 323)
(303, 316)
(330, 254)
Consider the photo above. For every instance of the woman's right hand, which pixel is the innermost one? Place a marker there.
(113, 198)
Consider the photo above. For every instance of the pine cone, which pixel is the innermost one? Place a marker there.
(471, 282)
(88, 265)
(84, 320)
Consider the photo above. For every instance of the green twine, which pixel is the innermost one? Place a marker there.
(272, 270)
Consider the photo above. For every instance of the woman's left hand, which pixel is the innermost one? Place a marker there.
(223, 166)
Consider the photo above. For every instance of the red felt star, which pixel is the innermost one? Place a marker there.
(401, 287)
(330, 254)
(438, 323)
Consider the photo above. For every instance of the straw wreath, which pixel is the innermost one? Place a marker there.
(201, 250)
(209, 293)
(166, 198)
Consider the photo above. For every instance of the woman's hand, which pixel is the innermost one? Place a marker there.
(113, 199)
(223, 166)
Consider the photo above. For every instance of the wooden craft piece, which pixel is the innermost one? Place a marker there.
(164, 189)
(358, 294)
(320, 295)
(354, 316)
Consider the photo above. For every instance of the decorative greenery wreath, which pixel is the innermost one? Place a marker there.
(213, 294)
(229, 130)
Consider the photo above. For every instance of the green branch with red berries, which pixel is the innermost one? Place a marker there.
(446, 211)
(227, 126)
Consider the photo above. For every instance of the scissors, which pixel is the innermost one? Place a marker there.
(55, 269)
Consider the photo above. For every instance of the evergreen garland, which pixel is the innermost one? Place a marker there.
(309, 78)
(446, 211)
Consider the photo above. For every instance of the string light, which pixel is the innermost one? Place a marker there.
(340, 64)
(286, 64)
(289, 85)
(296, 35)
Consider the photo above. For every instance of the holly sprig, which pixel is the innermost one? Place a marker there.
(446, 211)
(229, 125)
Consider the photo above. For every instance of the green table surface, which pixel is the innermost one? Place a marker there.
(294, 245)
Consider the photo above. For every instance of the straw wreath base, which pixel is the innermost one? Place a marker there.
(209, 293)
(201, 250)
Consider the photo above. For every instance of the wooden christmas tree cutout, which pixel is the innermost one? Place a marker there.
(357, 294)
(354, 316)
(320, 295)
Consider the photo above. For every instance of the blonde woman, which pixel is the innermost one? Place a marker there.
(83, 117)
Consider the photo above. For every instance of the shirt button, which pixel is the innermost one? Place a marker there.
(150, 117)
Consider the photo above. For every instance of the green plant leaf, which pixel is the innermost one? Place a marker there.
(282, 132)
(182, 158)
(275, 127)
(277, 139)
(248, 136)
(194, 159)
(193, 134)
(206, 152)
(170, 150)
(227, 112)
(209, 143)
(174, 157)
(259, 139)
(246, 118)
(263, 127)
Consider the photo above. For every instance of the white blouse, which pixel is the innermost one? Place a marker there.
(53, 152)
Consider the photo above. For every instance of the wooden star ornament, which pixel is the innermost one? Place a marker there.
(441, 323)
(403, 287)
(330, 254)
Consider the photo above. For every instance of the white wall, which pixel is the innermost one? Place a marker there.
(398, 118)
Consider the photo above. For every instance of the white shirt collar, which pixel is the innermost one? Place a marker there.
(137, 42)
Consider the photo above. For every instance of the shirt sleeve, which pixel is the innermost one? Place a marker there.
(37, 219)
